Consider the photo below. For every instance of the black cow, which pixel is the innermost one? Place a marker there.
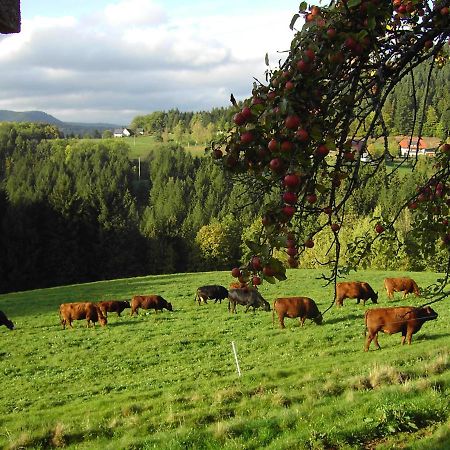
(211, 292)
(246, 297)
(5, 321)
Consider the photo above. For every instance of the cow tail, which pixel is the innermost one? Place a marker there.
(365, 322)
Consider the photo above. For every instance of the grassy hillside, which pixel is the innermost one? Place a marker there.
(168, 380)
(141, 146)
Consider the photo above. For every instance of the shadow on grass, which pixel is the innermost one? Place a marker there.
(341, 319)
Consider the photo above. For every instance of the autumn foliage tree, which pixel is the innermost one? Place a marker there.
(297, 142)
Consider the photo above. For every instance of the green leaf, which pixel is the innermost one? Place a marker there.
(371, 23)
(316, 133)
(303, 6)
(266, 59)
(280, 276)
(353, 3)
(270, 280)
(293, 20)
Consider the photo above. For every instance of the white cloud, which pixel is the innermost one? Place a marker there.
(134, 13)
(95, 69)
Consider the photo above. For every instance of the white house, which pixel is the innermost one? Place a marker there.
(122, 132)
(409, 147)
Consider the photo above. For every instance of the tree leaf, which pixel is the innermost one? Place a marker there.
(294, 19)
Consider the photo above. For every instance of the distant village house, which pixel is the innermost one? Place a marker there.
(409, 147)
(122, 132)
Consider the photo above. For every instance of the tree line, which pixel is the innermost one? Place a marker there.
(201, 127)
(74, 211)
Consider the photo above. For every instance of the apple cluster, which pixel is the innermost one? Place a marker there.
(292, 139)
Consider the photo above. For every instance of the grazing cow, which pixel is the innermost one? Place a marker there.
(113, 306)
(301, 307)
(405, 285)
(355, 289)
(5, 321)
(211, 292)
(405, 319)
(69, 312)
(246, 297)
(155, 302)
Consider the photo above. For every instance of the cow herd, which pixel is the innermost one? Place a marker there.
(405, 319)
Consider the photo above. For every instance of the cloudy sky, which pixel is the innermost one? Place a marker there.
(108, 61)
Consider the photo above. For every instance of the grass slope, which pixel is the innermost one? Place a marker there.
(168, 380)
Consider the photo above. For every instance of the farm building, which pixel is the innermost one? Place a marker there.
(122, 132)
(409, 147)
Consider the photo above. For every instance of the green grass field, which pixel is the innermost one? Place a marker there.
(169, 380)
(141, 146)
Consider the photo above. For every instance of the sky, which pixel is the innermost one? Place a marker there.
(109, 61)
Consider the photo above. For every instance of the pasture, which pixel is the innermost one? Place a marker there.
(169, 380)
(142, 146)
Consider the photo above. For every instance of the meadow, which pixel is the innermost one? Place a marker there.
(142, 146)
(169, 380)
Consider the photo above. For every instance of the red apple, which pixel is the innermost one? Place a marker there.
(311, 198)
(302, 135)
(289, 86)
(379, 228)
(288, 210)
(218, 153)
(236, 272)
(276, 164)
(310, 54)
(303, 66)
(292, 122)
(256, 281)
(247, 137)
(322, 151)
(239, 119)
(291, 180)
(331, 33)
(335, 227)
(273, 145)
(290, 197)
(247, 113)
(292, 262)
(287, 146)
(309, 243)
(256, 263)
(291, 251)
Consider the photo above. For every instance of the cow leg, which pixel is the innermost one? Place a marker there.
(357, 301)
(368, 341)
(281, 320)
(407, 336)
(302, 320)
(375, 341)
(246, 309)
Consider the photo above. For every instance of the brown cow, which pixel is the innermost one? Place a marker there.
(301, 307)
(155, 302)
(113, 306)
(405, 319)
(404, 284)
(5, 321)
(355, 289)
(69, 312)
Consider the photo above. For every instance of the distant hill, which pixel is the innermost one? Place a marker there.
(28, 116)
(76, 128)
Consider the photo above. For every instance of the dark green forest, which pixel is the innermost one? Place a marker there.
(73, 211)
